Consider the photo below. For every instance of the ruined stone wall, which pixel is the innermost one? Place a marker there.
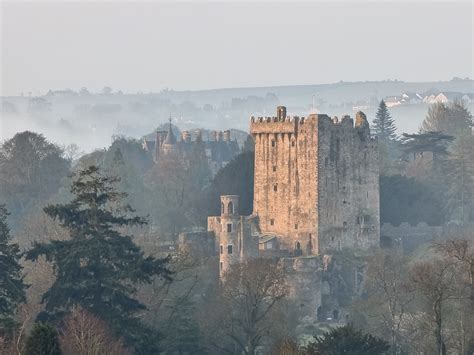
(316, 182)
(348, 185)
(304, 281)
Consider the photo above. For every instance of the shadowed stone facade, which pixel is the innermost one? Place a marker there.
(316, 182)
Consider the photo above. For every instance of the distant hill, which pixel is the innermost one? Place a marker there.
(90, 120)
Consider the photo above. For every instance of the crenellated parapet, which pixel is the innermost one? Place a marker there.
(282, 124)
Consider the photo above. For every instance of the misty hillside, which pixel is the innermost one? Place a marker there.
(91, 119)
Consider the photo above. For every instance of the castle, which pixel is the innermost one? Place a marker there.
(316, 190)
(219, 148)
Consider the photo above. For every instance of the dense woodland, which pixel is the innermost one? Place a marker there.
(86, 268)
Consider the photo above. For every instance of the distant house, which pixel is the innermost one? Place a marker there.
(446, 97)
(411, 98)
(392, 101)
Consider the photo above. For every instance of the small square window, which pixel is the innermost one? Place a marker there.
(229, 249)
(274, 168)
(272, 222)
(275, 188)
(229, 227)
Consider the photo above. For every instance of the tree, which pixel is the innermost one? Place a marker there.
(388, 297)
(82, 333)
(460, 178)
(347, 340)
(404, 199)
(384, 128)
(31, 169)
(434, 142)
(249, 144)
(435, 282)
(451, 119)
(236, 178)
(245, 312)
(182, 335)
(384, 125)
(12, 288)
(43, 340)
(98, 266)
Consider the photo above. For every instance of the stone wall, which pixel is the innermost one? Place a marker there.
(316, 182)
(304, 279)
(349, 214)
(409, 237)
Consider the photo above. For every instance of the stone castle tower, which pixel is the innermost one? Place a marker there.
(234, 240)
(316, 182)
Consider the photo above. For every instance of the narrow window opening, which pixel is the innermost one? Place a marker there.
(229, 227)
(272, 222)
(274, 168)
(292, 143)
(222, 249)
(296, 226)
(273, 143)
(229, 249)
(222, 265)
(275, 188)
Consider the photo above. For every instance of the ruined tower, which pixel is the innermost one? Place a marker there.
(234, 241)
(316, 182)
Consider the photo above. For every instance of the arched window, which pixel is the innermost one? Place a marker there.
(230, 208)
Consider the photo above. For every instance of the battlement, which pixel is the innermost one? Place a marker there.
(293, 124)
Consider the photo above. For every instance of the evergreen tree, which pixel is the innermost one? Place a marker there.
(460, 177)
(98, 266)
(43, 340)
(12, 288)
(182, 333)
(384, 125)
(347, 340)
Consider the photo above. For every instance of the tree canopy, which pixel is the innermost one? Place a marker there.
(98, 266)
(12, 288)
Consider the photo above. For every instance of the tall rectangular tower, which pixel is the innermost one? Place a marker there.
(316, 182)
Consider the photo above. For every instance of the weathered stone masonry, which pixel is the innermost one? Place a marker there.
(316, 182)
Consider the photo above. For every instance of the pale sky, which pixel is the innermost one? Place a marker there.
(148, 46)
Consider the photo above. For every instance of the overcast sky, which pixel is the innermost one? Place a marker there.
(147, 46)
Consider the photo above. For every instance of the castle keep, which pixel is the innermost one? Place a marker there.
(316, 190)
(316, 182)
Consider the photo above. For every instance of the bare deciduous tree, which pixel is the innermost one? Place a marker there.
(246, 312)
(82, 333)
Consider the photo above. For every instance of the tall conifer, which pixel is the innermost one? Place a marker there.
(98, 267)
(12, 288)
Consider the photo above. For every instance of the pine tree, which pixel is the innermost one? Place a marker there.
(12, 288)
(384, 128)
(98, 266)
(347, 340)
(384, 125)
(43, 340)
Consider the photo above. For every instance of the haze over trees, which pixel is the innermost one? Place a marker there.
(105, 281)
